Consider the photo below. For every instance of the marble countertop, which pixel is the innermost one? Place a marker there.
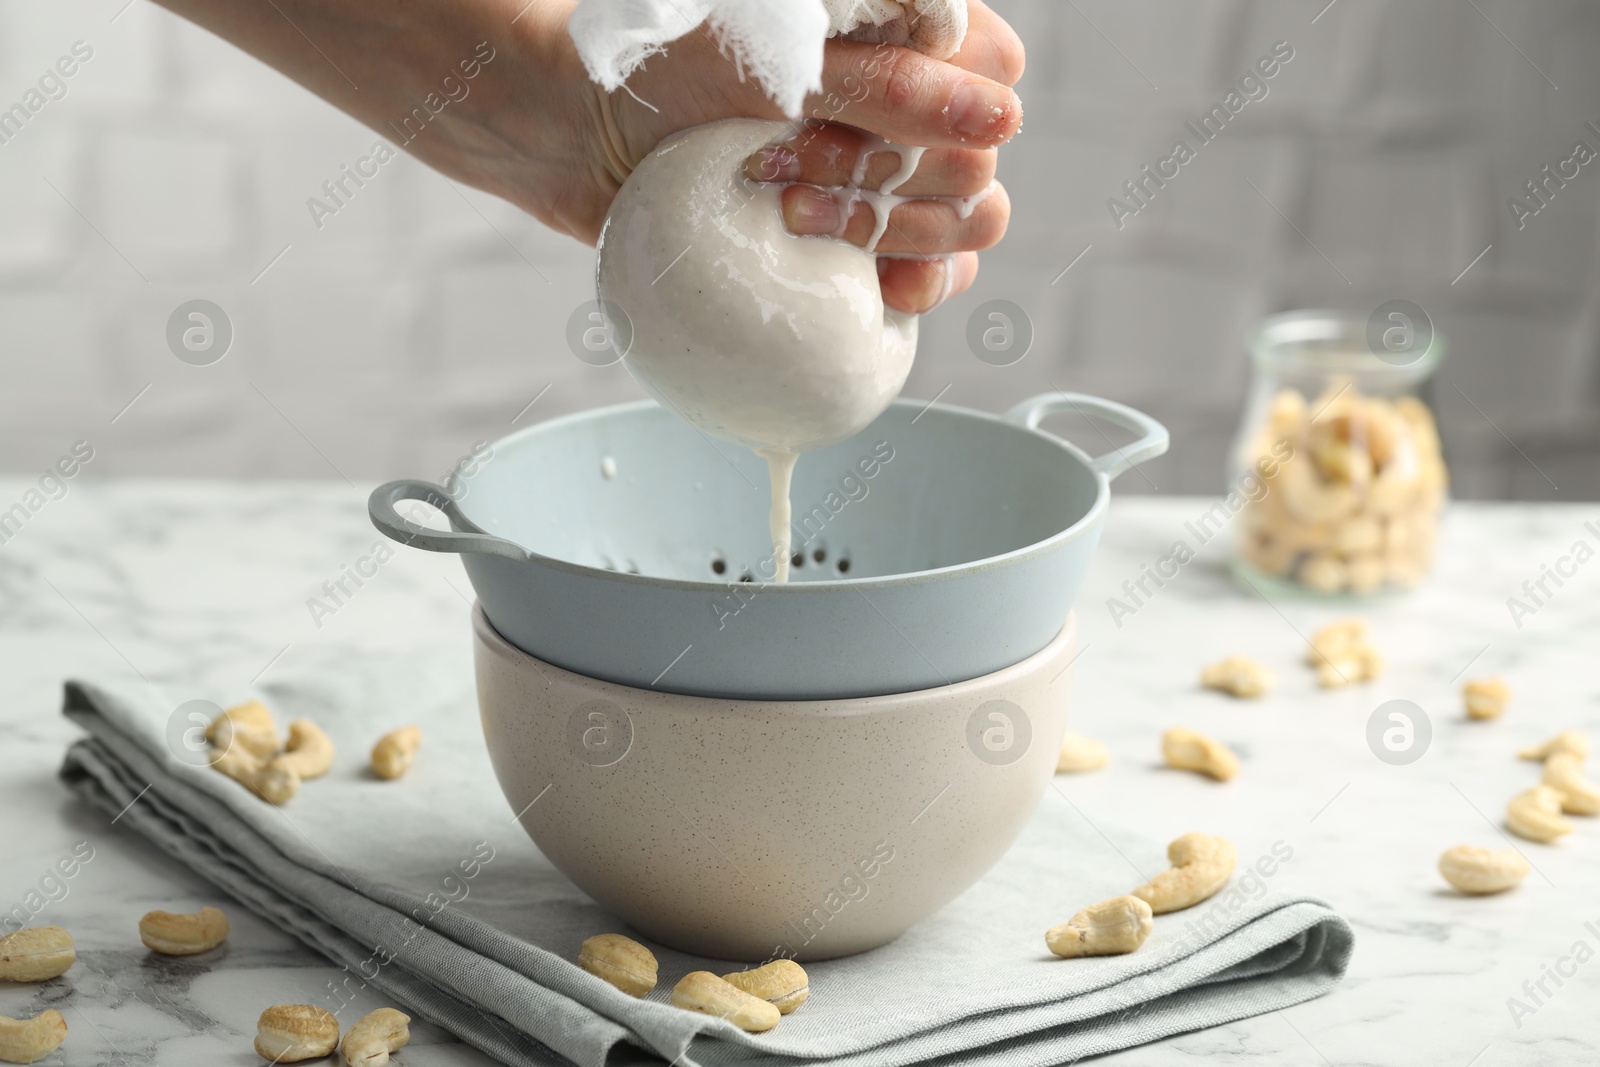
(160, 581)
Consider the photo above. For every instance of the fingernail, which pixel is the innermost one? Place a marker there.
(980, 110)
(776, 163)
(812, 211)
(933, 285)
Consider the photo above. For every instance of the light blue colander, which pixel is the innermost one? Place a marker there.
(937, 545)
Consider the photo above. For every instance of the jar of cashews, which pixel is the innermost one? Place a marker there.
(1341, 452)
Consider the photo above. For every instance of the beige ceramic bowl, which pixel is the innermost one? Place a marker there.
(742, 830)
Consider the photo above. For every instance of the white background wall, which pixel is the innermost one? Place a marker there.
(425, 316)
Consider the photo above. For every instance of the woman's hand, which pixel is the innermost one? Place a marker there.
(534, 130)
(961, 110)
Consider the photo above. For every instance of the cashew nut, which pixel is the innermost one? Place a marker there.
(1287, 411)
(1190, 751)
(1357, 535)
(1479, 870)
(183, 935)
(308, 754)
(26, 1040)
(1310, 501)
(621, 961)
(1573, 741)
(1342, 462)
(1080, 753)
(1486, 697)
(289, 1033)
(1337, 639)
(1239, 676)
(707, 994)
(392, 755)
(1325, 573)
(248, 725)
(1201, 865)
(1110, 928)
(375, 1035)
(1361, 664)
(1536, 815)
(1563, 772)
(781, 983)
(1416, 414)
(1343, 653)
(35, 954)
(270, 782)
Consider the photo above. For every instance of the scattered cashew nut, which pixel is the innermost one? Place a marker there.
(781, 983)
(1190, 751)
(1337, 639)
(1343, 653)
(289, 1033)
(1201, 865)
(183, 934)
(1110, 928)
(26, 1040)
(1080, 753)
(1478, 871)
(1360, 665)
(270, 782)
(1573, 741)
(621, 961)
(308, 754)
(392, 755)
(1563, 772)
(375, 1035)
(1536, 815)
(249, 725)
(1486, 698)
(704, 992)
(1238, 676)
(35, 954)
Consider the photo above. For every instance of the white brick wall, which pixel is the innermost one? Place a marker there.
(422, 317)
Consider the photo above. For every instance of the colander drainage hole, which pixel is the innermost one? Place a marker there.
(797, 560)
(719, 565)
(843, 566)
(746, 577)
(820, 555)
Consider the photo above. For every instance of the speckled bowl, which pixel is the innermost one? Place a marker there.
(744, 829)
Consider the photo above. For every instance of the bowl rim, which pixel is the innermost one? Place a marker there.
(1063, 645)
(828, 585)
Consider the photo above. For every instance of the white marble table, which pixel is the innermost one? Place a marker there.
(164, 581)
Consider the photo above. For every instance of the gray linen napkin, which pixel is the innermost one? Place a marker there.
(428, 890)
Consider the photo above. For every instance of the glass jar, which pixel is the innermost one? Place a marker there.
(1337, 463)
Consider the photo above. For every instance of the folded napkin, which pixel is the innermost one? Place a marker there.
(777, 42)
(429, 891)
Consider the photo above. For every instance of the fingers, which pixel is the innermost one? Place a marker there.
(917, 227)
(827, 154)
(910, 99)
(919, 285)
(992, 48)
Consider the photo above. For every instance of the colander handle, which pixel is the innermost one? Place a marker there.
(382, 505)
(1153, 440)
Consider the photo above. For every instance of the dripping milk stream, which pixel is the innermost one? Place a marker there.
(882, 201)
